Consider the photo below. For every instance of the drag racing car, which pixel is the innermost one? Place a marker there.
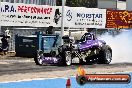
(88, 49)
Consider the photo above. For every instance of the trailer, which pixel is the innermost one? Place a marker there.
(28, 45)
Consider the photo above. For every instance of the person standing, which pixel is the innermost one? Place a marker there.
(5, 44)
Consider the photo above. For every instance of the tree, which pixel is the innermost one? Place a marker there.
(79, 3)
(58, 2)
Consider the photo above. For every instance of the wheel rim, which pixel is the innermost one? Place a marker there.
(68, 58)
(40, 57)
(108, 56)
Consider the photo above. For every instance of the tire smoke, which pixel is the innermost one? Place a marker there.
(121, 46)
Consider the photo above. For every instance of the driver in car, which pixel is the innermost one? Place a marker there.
(89, 36)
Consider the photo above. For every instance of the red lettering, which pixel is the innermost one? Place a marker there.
(32, 9)
(35, 9)
(50, 10)
(38, 10)
(42, 10)
(20, 8)
(29, 8)
(47, 11)
(130, 16)
(25, 9)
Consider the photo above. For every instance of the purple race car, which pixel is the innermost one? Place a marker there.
(88, 50)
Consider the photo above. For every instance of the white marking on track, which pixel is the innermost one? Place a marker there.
(26, 80)
(35, 79)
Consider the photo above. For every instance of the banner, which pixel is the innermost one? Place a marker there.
(81, 17)
(19, 14)
(118, 19)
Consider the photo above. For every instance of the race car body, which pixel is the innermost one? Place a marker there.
(88, 50)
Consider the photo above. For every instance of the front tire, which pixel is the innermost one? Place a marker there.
(105, 55)
(66, 58)
(39, 58)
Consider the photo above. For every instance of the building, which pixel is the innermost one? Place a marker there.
(129, 5)
(121, 5)
(112, 4)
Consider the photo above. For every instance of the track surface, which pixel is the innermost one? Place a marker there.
(21, 69)
(59, 83)
(28, 66)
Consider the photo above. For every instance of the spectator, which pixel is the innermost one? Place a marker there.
(5, 44)
(50, 30)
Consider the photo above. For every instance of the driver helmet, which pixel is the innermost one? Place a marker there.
(89, 37)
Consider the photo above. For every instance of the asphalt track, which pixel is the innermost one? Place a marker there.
(21, 67)
(28, 66)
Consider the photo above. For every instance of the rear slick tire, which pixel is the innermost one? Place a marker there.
(105, 55)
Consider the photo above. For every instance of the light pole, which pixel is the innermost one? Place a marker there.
(116, 4)
(62, 21)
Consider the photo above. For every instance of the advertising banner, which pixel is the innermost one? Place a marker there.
(81, 17)
(118, 19)
(19, 14)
